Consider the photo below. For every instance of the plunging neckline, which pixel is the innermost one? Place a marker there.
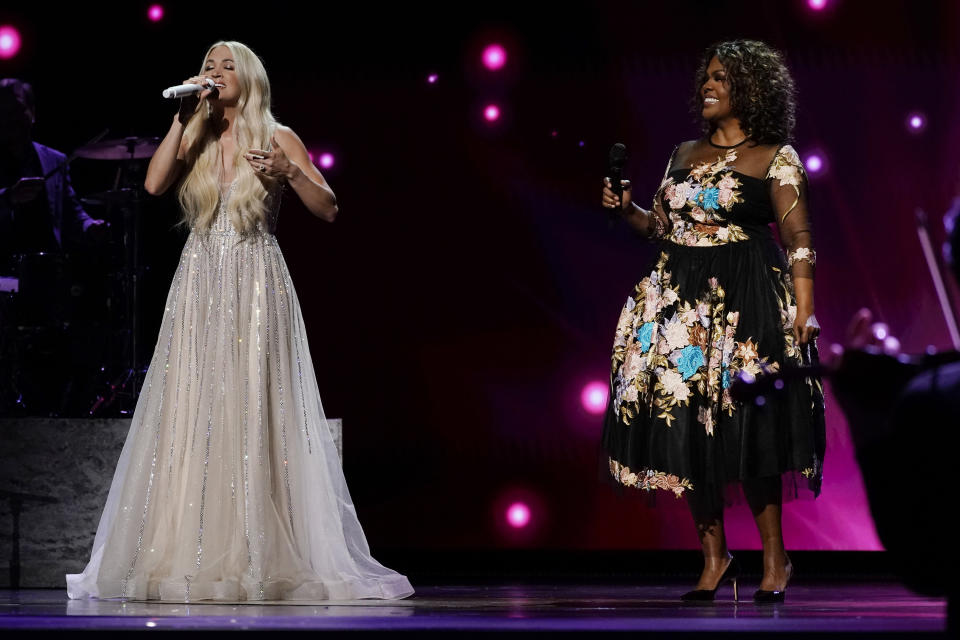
(226, 194)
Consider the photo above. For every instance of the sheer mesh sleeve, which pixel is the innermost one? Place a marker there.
(659, 220)
(788, 193)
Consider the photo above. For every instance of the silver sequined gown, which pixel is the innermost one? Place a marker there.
(229, 486)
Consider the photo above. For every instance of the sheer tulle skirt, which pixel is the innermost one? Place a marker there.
(229, 485)
(700, 317)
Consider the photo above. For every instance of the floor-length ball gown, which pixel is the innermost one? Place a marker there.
(717, 301)
(229, 486)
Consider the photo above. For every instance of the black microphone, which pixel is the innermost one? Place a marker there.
(618, 158)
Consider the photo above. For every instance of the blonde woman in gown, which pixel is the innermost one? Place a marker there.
(229, 486)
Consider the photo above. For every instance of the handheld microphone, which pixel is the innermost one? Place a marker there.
(184, 90)
(618, 158)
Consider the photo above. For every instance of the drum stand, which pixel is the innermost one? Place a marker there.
(119, 396)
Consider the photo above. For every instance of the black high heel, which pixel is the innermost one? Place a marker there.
(730, 574)
(762, 596)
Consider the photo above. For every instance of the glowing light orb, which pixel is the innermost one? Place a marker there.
(432, 78)
(916, 122)
(814, 163)
(494, 57)
(9, 41)
(155, 12)
(817, 5)
(326, 160)
(594, 397)
(518, 515)
(491, 113)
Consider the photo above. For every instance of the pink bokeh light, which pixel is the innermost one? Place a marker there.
(155, 12)
(817, 5)
(432, 78)
(916, 122)
(326, 160)
(814, 163)
(593, 397)
(518, 515)
(491, 113)
(9, 41)
(494, 57)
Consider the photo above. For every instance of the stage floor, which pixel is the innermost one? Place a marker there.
(810, 607)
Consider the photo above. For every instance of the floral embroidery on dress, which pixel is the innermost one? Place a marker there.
(649, 479)
(788, 314)
(666, 350)
(788, 169)
(805, 254)
(695, 203)
(679, 345)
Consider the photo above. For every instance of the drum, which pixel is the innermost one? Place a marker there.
(43, 289)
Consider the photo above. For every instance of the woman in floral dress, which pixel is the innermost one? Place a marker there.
(722, 299)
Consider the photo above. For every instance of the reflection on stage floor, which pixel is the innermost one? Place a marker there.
(867, 606)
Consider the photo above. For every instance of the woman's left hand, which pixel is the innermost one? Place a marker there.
(271, 163)
(805, 327)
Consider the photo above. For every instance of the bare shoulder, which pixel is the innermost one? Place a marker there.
(291, 144)
(287, 136)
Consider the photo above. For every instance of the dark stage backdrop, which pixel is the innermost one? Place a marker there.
(471, 286)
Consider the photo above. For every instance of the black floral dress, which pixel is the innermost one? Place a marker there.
(718, 300)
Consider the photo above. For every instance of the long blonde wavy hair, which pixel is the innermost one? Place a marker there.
(199, 193)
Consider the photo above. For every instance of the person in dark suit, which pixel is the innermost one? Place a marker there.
(36, 214)
(41, 224)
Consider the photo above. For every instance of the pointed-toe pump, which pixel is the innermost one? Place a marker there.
(763, 596)
(730, 574)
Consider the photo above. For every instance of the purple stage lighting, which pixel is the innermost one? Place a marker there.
(817, 5)
(326, 160)
(594, 397)
(518, 515)
(9, 42)
(494, 57)
(814, 163)
(491, 113)
(916, 122)
(155, 13)
(432, 78)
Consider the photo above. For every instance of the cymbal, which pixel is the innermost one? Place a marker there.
(129, 148)
(114, 196)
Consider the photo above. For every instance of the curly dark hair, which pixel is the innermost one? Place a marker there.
(762, 94)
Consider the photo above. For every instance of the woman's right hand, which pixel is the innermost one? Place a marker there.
(612, 201)
(188, 105)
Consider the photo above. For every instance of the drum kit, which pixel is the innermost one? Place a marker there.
(68, 321)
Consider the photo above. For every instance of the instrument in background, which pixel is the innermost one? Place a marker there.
(121, 385)
(936, 274)
(899, 369)
(69, 330)
(35, 314)
(129, 148)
